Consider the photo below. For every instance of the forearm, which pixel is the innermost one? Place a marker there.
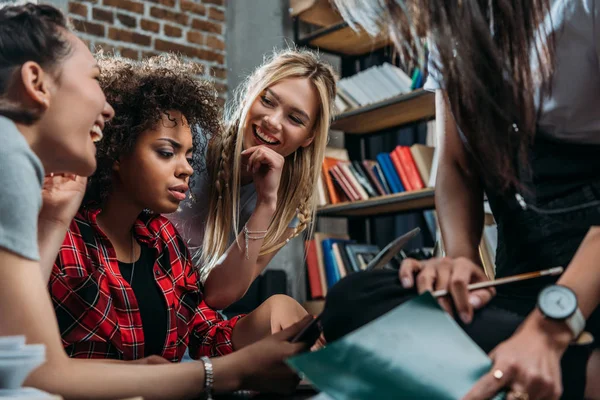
(583, 277)
(232, 276)
(458, 191)
(51, 236)
(459, 205)
(32, 315)
(88, 380)
(583, 273)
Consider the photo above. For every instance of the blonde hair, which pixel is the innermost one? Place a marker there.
(296, 196)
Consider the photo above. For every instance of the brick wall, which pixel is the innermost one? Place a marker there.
(141, 28)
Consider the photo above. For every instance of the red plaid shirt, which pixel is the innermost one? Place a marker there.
(98, 312)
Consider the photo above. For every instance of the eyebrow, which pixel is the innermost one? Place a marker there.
(295, 109)
(176, 144)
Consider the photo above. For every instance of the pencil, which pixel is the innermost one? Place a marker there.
(509, 279)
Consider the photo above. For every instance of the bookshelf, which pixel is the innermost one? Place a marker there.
(376, 206)
(392, 113)
(371, 132)
(333, 35)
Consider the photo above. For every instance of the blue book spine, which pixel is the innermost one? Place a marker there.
(390, 172)
(332, 272)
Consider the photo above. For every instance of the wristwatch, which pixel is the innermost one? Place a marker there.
(559, 303)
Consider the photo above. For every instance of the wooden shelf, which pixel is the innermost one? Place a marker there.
(342, 40)
(315, 12)
(394, 203)
(396, 111)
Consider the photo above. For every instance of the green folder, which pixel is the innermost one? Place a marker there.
(415, 351)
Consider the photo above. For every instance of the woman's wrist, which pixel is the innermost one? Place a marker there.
(268, 203)
(556, 334)
(227, 374)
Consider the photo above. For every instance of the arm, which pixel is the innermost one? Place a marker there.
(233, 275)
(61, 195)
(230, 279)
(530, 359)
(258, 367)
(458, 191)
(459, 205)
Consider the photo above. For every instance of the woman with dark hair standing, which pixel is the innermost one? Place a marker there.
(51, 109)
(517, 98)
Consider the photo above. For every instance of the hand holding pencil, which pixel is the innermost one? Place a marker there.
(457, 281)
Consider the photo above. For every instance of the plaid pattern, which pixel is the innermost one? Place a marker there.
(96, 308)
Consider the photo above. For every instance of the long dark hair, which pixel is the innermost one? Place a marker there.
(484, 49)
(28, 32)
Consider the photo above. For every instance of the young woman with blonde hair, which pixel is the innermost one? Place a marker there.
(262, 172)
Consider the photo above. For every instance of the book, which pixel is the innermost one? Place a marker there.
(332, 271)
(423, 157)
(312, 270)
(358, 170)
(366, 251)
(319, 238)
(432, 357)
(343, 183)
(336, 194)
(381, 177)
(410, 167)
(389, 171)
(351, 178)
(368, 168)
(335, 248)
(400, 169)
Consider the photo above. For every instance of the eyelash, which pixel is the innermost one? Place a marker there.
(165, 154)
(268, 103)
(168, 154)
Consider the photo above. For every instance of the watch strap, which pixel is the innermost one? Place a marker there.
(576, 323)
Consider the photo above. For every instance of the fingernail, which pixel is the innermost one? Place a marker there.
(475, 301)
(406, 283)
(465, 317)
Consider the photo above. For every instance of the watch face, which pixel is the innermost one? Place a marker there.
(557, 302)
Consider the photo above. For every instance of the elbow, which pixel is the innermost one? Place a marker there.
(220, 299)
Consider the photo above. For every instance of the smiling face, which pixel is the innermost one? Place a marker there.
(156, 174)
(283, 116)
(76, 113)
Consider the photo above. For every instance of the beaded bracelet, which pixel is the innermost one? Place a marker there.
(252, 235)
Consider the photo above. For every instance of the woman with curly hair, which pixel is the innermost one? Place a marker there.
(262, 172)
(123, 284)
(51, 108)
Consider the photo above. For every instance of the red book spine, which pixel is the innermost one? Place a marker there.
(408, 162)
(312, 270)
(395, 156)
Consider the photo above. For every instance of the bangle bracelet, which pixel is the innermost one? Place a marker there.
(255, 235)
(208, 378)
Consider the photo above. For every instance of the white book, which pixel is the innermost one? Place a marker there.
(390, 90)
(392, 79)
(381, 91)
(402, 76)
(340, 105)
(360, 81)
(397, 75)
(353, 90)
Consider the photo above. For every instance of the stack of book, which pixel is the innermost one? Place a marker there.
(403, 169)
(375, 84)
(330, 257)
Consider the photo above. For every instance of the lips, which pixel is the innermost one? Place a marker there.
(179, 192)
(96, 133)
(263, 137)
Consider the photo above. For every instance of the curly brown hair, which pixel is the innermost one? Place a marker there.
(141, 92)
